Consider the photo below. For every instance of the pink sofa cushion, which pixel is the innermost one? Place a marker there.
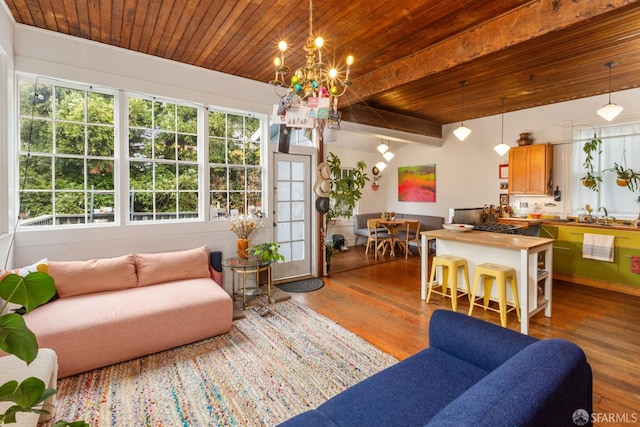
(95, 275)
(167, 266)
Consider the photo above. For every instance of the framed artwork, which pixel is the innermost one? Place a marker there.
(504, 185)
(417, 183)
(503, 171)
(504, 199)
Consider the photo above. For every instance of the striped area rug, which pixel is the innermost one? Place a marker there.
(264, 371)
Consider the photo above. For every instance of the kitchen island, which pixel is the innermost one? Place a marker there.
(517, 251)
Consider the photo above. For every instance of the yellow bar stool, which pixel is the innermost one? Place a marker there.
(500, 273)
(449, 265)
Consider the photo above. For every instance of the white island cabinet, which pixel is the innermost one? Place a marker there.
(519, 252)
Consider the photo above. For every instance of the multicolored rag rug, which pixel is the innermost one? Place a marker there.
(264, 371)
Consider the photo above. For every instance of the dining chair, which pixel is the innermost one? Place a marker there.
(411, 237)
(378, 238)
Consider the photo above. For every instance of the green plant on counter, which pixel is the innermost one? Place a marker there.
(267, 252)
(591, 148)
(346, 187)
(30, 291)
(626, 176)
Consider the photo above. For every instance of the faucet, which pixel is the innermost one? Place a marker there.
(606, 214)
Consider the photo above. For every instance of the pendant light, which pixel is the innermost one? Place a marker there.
(502, 148)
(462, 131)
(382, 148)
(610, 111)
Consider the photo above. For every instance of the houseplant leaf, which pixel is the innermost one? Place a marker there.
(25, 395)
(31, 291)
(16, 338)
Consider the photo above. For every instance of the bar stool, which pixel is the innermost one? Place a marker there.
(449, 265)
(500, 273)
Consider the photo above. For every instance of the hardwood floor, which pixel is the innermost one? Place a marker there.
(381, 303)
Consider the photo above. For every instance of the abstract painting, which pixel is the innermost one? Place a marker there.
(417, 183)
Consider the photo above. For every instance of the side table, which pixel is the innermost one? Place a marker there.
(246, 266)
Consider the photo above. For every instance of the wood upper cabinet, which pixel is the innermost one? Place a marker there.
(530, 169)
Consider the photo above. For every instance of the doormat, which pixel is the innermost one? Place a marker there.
(306, 285)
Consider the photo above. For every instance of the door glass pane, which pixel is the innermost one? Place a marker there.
(284, 232)
(297, 171)
(284, 211)
(297, 230)
(284, 171)
(297, 211)
(284, 191)
(298, 250)
(297, 191)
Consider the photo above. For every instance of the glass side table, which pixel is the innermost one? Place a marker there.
(244, 266)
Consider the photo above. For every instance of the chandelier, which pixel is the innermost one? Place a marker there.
(315, 87)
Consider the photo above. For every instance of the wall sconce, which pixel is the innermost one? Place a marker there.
(610, 111)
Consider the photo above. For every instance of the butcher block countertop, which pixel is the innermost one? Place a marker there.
(510, 241)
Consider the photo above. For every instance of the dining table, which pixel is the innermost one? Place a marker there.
(393, 226)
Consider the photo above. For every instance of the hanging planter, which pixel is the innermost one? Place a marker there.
(625, 177)
(591, 148)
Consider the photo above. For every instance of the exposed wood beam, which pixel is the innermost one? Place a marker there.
(526, 23)
(370, 116)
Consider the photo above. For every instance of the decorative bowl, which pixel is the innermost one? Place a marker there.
(536, 215)
(457, 227)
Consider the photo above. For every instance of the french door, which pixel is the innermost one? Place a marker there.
(292, 214)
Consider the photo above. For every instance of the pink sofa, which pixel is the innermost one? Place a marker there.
(115, 309)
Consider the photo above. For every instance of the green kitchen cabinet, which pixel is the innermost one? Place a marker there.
(549, 231)
(564, 254)
(625, 275)
(595, 269)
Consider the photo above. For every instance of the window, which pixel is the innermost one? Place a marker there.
(163, 160)
(235, 164)
(66, 154)
(620, 143)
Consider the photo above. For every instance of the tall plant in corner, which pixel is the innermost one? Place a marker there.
(346, 187)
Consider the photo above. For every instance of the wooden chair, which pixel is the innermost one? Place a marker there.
(411, 237)
(379, 239)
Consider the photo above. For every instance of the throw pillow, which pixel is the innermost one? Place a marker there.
(95, 275)
(169, 266)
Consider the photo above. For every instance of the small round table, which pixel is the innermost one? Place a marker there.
(246, 266)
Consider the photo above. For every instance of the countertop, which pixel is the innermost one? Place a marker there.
(510, 241)
(589, 225)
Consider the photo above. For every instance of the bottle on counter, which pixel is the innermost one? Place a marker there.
(556, 194)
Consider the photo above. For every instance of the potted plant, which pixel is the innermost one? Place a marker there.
(346, 187)
(591, 148)
(267, 252)
(625, 177)
(30, 291)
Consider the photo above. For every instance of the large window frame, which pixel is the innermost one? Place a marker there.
(163, 162)
(67, 151)
(188, 152)
(235, 163)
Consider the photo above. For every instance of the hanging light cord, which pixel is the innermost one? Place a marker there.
(502, 137)
(463, 83)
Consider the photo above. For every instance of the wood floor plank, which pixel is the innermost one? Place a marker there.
(381, 303)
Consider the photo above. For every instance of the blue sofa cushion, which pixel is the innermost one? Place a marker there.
(408, 393)
(543, 385)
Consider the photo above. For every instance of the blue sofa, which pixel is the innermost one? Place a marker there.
(474, 373)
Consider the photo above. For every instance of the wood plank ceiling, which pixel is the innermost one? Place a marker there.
(410, 56)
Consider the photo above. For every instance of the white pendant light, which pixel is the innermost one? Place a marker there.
(382, 148)
(388, 156)
(381, 166)
(611, 110)
(462, 131)
(502, 148)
